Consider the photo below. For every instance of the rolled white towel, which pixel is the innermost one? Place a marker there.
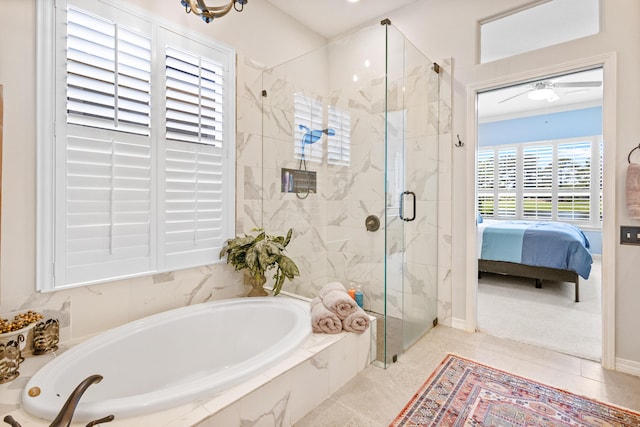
(357, 322)
(335, 297)
(324, 320)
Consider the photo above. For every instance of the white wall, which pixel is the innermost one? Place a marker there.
(443, 28)
(261, 32)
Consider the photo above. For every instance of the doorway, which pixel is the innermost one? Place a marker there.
(513, 88)
(539, 149)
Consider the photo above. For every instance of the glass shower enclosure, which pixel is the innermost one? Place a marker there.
(350, 163)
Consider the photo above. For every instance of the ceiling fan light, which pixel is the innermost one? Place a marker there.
(542, 94)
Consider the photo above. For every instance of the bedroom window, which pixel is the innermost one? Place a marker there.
(138, 177)
(549, 180)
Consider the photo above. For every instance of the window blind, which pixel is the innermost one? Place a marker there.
(108, 74)
(537, 200)
(574, 180)
(193, 203)
(194, 98)
(308, 114)
(339, 144)
(108, 208)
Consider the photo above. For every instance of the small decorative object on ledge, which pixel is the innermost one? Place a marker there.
(257, 254)
(10, 357)
(46, 336)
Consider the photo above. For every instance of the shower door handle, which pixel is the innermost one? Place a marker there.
(413, 197)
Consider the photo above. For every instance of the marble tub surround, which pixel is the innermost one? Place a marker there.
(279, 395)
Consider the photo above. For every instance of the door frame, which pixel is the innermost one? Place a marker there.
(608, 63)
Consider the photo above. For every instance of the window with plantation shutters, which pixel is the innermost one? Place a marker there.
(547, 180)
(339, 144)
(307, 118)
(142, 165)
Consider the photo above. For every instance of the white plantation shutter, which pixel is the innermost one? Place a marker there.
(486, 180)
(141, 176)
(339, 144)
(194, 210)
(537, 199)
(507, 182)
(108, 74)
(194, 159)
(307, 112)
(108, 208)
(194, 98)
(574, 181)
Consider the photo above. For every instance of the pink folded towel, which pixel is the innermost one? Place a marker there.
(332, 286)
(324, 320)
(632, 190)
(357, 322)
(335, 297)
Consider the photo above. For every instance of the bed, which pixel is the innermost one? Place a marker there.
(541, 250)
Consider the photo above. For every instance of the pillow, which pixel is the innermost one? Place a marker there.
(479, 219)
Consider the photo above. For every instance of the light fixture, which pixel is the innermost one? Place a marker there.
(541, 92)
(209, 13)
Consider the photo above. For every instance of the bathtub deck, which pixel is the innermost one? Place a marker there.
(286, 391)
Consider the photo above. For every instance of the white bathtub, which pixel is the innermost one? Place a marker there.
(171, 358)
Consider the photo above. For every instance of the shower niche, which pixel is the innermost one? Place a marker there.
(356, 124)
(297, 181)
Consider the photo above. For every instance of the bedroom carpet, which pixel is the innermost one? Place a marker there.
(512, 307)
(462, 392)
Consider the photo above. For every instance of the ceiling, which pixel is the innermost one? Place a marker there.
(331, 18)
(496, 105)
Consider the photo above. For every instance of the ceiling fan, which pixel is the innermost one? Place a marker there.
(544, 90)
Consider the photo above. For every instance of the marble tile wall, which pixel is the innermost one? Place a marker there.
(330, 240)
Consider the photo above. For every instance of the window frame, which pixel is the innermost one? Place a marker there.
(51, 133)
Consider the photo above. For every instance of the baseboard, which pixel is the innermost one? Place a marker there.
(458, 323)
(628, 367)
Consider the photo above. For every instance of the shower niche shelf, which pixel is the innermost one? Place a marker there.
(297, 181)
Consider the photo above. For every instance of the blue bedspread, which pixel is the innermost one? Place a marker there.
(544, 244)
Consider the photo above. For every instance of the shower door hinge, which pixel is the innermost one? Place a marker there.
(264, 93)
(436, 67)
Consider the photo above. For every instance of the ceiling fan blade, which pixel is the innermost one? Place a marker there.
(514, 96)
(578, 84)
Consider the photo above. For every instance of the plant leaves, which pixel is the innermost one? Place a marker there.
(289, 268)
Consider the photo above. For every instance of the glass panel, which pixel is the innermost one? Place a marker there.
(411, 168)
(373, 130)
(542, 25)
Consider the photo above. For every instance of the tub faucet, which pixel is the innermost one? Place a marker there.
(66, 413)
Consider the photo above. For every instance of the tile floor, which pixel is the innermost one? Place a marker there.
(376, 396)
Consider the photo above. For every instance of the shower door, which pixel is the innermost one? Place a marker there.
(411, 188)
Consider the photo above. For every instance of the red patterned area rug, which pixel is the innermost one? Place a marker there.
(462, 392)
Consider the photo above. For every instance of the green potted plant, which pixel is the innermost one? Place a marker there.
(258, 252)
